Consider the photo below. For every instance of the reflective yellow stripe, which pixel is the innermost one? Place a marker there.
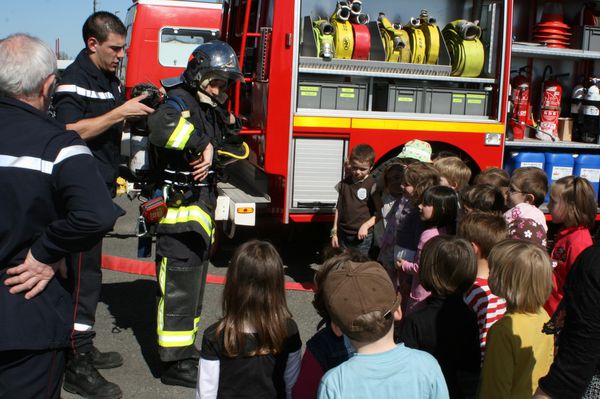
(170, 339)
(427, 126)
(315, 121)
(180, 135)
(162, 275)
(192, 213)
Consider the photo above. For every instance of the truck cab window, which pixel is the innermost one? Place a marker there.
(176, 44)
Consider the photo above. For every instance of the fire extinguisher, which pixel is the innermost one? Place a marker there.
(549, 106)
(521, 115)
(577, 95)
(591, 114)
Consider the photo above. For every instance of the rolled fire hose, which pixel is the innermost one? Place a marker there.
(356, 7)
(362, 41)
(432, 38)
(344, 35)
(466, 50)
(417, 41)
(324, 32)
(395, 41)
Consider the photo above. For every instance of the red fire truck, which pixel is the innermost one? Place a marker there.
(303, 112)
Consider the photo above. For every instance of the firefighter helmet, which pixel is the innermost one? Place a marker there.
(212, 60)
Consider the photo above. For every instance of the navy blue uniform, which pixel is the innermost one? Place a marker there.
(86, 92)
(53, 202)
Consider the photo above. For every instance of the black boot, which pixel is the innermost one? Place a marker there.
(82, 378)
(181, 372)
(105, 360)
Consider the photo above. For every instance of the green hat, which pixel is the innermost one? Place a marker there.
(416, 149)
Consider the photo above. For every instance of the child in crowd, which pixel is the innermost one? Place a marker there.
(572, 206)
(254, 350)
(497, 177)
(363, 305)
(445, 326)
(393, 204)
(483, 230)
(324, 350)
(418, 177)
(482, 198)
(454, 172)
(527, 230)
(526, 192)
(518, 352)
(355, 210)
(438, 210)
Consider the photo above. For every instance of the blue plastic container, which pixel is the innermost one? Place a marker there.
(588, 167)
(558, 165)
(520, 159)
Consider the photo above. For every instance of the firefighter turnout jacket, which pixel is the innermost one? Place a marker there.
(54, 202)
(84, 91)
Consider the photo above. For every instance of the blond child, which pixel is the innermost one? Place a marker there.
(355, 211)
(518, 353)
(526, 192)
(454, 172)
(483, 231)
(573, 207)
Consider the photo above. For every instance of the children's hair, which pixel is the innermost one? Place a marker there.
(421, 176)
(447, 265)
(454, 170)
(360, 299)
(483, 197)
(445, 207)
(254, 296)
(363, 153)
(521, 273)
(495, 176)
(579, 201)
(531, 180)
(484, 230)
(348, 254)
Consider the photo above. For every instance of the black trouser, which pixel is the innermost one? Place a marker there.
(87, 282)
(182, 264)
(31, 374)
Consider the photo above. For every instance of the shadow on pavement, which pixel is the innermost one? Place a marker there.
(133, 305)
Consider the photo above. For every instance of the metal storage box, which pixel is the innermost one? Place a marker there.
(332, 95)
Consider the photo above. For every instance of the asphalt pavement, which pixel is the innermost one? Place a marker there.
(126, 317)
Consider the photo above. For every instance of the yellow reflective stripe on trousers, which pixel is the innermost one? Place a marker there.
(162, 275)
(192, 213)
(180, 135)
(169, 339)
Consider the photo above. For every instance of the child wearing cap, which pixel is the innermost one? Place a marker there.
(355, 211)
(363, 305)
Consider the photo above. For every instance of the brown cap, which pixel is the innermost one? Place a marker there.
(527, 230)
(356, 289)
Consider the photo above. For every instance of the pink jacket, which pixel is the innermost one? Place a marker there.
(417, 293)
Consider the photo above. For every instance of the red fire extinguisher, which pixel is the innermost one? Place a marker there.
(521, 100)
(549, 106)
